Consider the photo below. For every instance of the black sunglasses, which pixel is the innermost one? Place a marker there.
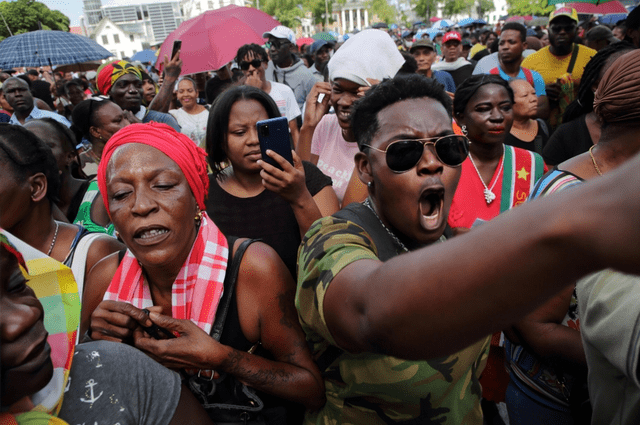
(244, 65)
(557, 28)
(276, 43)
(403, 155)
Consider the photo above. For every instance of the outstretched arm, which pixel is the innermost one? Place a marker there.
(437, 300)
(162, 101)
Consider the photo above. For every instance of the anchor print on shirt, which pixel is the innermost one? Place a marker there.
(90, 384)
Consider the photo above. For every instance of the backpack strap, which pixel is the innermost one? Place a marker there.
(574, 58)
(230, 284)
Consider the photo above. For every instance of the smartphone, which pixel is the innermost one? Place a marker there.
(274, 134)
(177, 45)
(155, 330)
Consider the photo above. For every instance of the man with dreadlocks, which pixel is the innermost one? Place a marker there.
(581, 128)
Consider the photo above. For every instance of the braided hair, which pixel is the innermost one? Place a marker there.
(592, 74)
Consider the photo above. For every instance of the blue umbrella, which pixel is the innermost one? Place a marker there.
(145, 56)
(466, 22)
(42, 48)
(480, 22)
(431, 31)
(612, 18)
(443, 23)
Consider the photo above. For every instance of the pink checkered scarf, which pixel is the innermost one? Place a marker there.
(198, 286)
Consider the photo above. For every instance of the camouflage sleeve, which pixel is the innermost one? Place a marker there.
(330, 245)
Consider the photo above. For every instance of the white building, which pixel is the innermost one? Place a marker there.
(193, 8)
(154, 19)
(122, 44)
(353, 14)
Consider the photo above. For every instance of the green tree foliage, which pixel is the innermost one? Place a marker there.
(456, 7)
(529, 7)
(385, 12)
(425, 9)
(27, 15)
(317, 7)
(485, 6)
(285, 11)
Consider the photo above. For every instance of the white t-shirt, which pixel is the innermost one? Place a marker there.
(285, 99)
(335, 155)
(194, 126)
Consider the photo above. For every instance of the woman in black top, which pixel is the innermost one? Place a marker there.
(250, 198)
(526, 132)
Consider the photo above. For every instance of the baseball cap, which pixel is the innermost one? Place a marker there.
(423, 42)
(601, 32)
(318, 44)
(281, 32)
(564, 11)
(451, 35)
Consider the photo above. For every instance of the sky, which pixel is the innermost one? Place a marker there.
(71, 8)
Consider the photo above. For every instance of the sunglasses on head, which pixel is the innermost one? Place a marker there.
(244, 65)
(276, 43)
(403, 155)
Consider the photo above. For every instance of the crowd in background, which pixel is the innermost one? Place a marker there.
(373, 278)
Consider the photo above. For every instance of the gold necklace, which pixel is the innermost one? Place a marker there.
(595, 165)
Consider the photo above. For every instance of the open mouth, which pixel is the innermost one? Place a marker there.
(150, 235)
(431, 206)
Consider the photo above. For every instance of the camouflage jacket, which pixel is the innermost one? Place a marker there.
(370, 388)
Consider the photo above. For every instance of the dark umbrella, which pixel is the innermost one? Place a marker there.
(379, 25)
(42, 48)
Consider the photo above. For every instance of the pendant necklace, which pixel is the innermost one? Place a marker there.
(367, 203)
(489, 196)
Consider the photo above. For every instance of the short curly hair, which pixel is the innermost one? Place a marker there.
(364, 118)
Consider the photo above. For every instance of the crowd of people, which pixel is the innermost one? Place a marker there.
(454, 241)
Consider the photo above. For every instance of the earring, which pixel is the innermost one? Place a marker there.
(198, 217)
(464, 130)
(369, 185)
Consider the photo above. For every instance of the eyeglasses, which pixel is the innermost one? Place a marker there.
(276, 43)
(403, 155)
(557, 28)
(244, 65)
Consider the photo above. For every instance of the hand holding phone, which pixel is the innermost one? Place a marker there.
(274, 134)
(177, 45)
(156, 331)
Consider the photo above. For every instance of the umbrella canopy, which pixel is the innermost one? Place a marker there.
(379, 25)
(145, 56)
(519, 18)
(466, 22)
(443, 23)
(595, 7)
(431, 31)
(326, 36)
(305, 40)
(79, 67)
(434, 19)
(480, 22)
(612, 18)
(43, 48)
(212, 39)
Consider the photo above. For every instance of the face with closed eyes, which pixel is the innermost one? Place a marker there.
(151, 205)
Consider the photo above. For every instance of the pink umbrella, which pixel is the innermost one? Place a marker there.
(600, 9)
(434, 19)
(305, 40)
(212, 39)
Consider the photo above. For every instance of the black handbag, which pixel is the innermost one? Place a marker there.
(227, 400)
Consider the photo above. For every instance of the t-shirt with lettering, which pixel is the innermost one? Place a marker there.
(285, 100)
(335, 155)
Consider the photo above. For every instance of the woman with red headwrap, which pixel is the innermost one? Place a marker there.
(154, 182)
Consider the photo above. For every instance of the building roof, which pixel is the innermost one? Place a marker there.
(118, 3)
(98, 28)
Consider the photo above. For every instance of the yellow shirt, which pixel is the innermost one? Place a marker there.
(475, 49)
(552, 67)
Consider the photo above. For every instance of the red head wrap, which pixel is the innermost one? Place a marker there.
(182, 150)
(109, 73)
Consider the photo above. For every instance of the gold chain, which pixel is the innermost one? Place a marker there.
(595, 165)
